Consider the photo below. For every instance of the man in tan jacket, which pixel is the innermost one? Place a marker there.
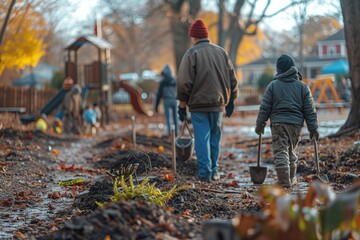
(207, 84)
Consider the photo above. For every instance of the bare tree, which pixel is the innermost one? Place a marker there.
(300, 19)
(277, 43)
(351, 16)
(241, 24)
(139, 33)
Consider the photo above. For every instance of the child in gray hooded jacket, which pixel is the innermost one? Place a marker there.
(287, 101)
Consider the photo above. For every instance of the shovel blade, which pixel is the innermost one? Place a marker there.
(322, 178)
(258, 174)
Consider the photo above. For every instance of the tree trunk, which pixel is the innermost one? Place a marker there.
(180, 24)
(181, 39)
(6, 20)
(221, 32)
(351, 15)
(236, 38)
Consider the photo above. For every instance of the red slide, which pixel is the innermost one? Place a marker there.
(135, 98)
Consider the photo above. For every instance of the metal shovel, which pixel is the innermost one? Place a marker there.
(257, 173)
(322, 177)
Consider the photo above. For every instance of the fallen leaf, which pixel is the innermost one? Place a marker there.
(7, 203)
(20, 235)
(186, 212)
(309, 178)
(168, 177)
(64, 167)
(54, 195)
(234, 183)
(28, 135)
(51, 207)
(170, 209)
(230, 176)
(206, 216)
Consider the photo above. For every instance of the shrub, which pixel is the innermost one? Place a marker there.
(266, 77)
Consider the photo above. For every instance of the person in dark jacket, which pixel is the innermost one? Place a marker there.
(207, 85)
(287, 101)
(167, 92)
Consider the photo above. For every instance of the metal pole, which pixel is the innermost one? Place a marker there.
(173, 152)
(133, 131)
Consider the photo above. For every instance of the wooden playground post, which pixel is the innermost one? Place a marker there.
(133, 131)
(173, 151)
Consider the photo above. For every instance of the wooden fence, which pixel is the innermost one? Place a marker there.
(248, 96)
(30, 98)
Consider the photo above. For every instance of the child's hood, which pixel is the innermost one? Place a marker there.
(290, 75)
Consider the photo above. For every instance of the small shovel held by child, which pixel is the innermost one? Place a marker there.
(257, 173)
(322, 177)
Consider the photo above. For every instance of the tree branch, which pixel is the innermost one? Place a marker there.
(3, 28)
(284, 8)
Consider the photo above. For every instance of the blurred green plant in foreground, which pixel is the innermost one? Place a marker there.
(322, 214)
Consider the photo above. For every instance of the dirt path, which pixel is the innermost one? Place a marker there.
(33, 204)
(35, 171)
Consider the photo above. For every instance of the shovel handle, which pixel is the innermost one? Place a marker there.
(259, 150)
(316, 155)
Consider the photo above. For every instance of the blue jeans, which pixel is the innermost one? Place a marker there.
(207, 136)
(170, 108)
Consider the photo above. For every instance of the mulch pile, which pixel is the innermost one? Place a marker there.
(128, 220)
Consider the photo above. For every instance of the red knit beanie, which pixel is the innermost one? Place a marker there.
(198, 30)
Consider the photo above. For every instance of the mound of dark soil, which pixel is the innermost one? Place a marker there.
(127, 220)
(149, 141)
(200, 204)
(146, 162)
(99, 192)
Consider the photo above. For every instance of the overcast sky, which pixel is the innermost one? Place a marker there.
(85, 13)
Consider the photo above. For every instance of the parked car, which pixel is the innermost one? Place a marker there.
(134, 77)
(149, 75)
(120, 97)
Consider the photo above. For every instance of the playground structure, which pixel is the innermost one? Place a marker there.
(324, 85)
(93, 76)
(96, 75)
(135, 96)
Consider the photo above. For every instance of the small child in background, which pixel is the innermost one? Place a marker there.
(58, 121)
(89, 118)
